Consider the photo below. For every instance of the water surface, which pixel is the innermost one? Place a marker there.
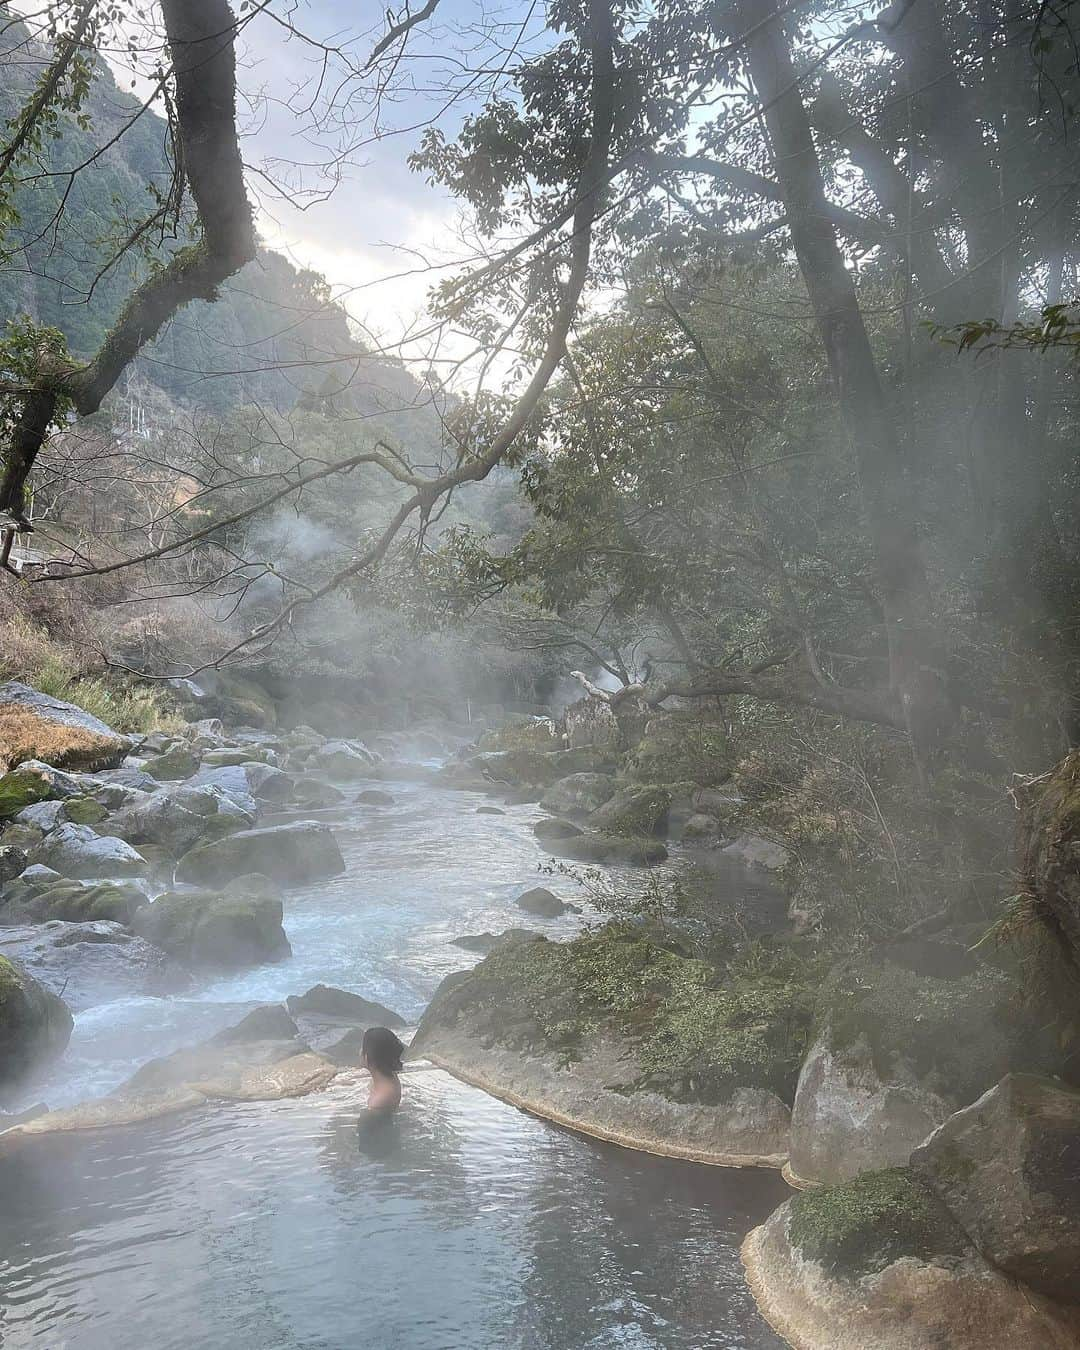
(273, 1226)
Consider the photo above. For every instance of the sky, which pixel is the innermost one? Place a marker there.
(359, 214)
(327, 168)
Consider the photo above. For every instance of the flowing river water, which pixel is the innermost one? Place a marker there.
(264, 1226)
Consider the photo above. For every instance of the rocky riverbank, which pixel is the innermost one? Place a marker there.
(699, 1024)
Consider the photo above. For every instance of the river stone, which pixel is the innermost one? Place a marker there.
(1008, 1169)
(268, 783)
(36, 726)
(374, 797)
(538, 768)
(701, 827)
(633, 812)
(78, 851)
(955, 1301)
(605, 848)
(45, 816)
(228, 930)
(12, 862)
(756, 851)
(846, 1120)
(173, 765)
(89, 963)
(270, 1022)
(232, 781)
(117, 787)
(323, 1001)
(24, 787)
(72, 901)
(293, 854)
(312, 794)
(551, 828)
(541, 901)
(178, 818)
(35, 1025)
(578, 793)
(342, 760)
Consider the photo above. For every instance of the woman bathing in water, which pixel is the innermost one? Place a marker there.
(380, 1054)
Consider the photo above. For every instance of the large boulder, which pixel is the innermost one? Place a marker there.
(232, 780)
(847, 1119)
(35, 1026)
(12, 862)
(343, 760)
(578, 794)
(79, 851)
(90, 963)
(594, 847)
(178, 818)
(1008, 1169)
(292, 854)
(627, 1041)
(172, 765)
(879, 1262)
(41, 899)
(894, 1054)
(322, 1002)
(634, 812)
(539, 768)
(755, 850)
(35, 726)
(539, 900)
(222, 930)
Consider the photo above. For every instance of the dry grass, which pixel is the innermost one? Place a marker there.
(26, 736)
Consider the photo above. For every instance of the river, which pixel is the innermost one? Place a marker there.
(264, 1226)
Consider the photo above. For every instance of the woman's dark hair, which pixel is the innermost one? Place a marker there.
(382, 1049)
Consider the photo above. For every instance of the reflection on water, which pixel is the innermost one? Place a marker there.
(465, 1225)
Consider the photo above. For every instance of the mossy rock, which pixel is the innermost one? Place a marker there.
(861, 1226)
(227, 930)
(634, 812)
(678, 749)
(697, 1038)
(84, 811)
(606, 848)
(521, 733)
(22, 787)
(246, 702)
(173, 765)
(76, 902)
(36, 726)
(35, 1025)
(957, 1036)
(539, 768)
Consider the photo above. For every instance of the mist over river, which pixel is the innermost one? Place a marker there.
(470, 1225)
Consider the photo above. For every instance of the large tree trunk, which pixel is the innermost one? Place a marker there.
(914, 666)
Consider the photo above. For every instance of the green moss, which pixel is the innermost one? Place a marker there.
(520, 734)
(173, 765)
(698, 1038)
(683, 749)
(21, 788)
(635, 813)
(958, 1035)
(864, 1225)
(84, 810)
(540, 768)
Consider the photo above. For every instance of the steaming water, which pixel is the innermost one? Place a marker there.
(468, 1226)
